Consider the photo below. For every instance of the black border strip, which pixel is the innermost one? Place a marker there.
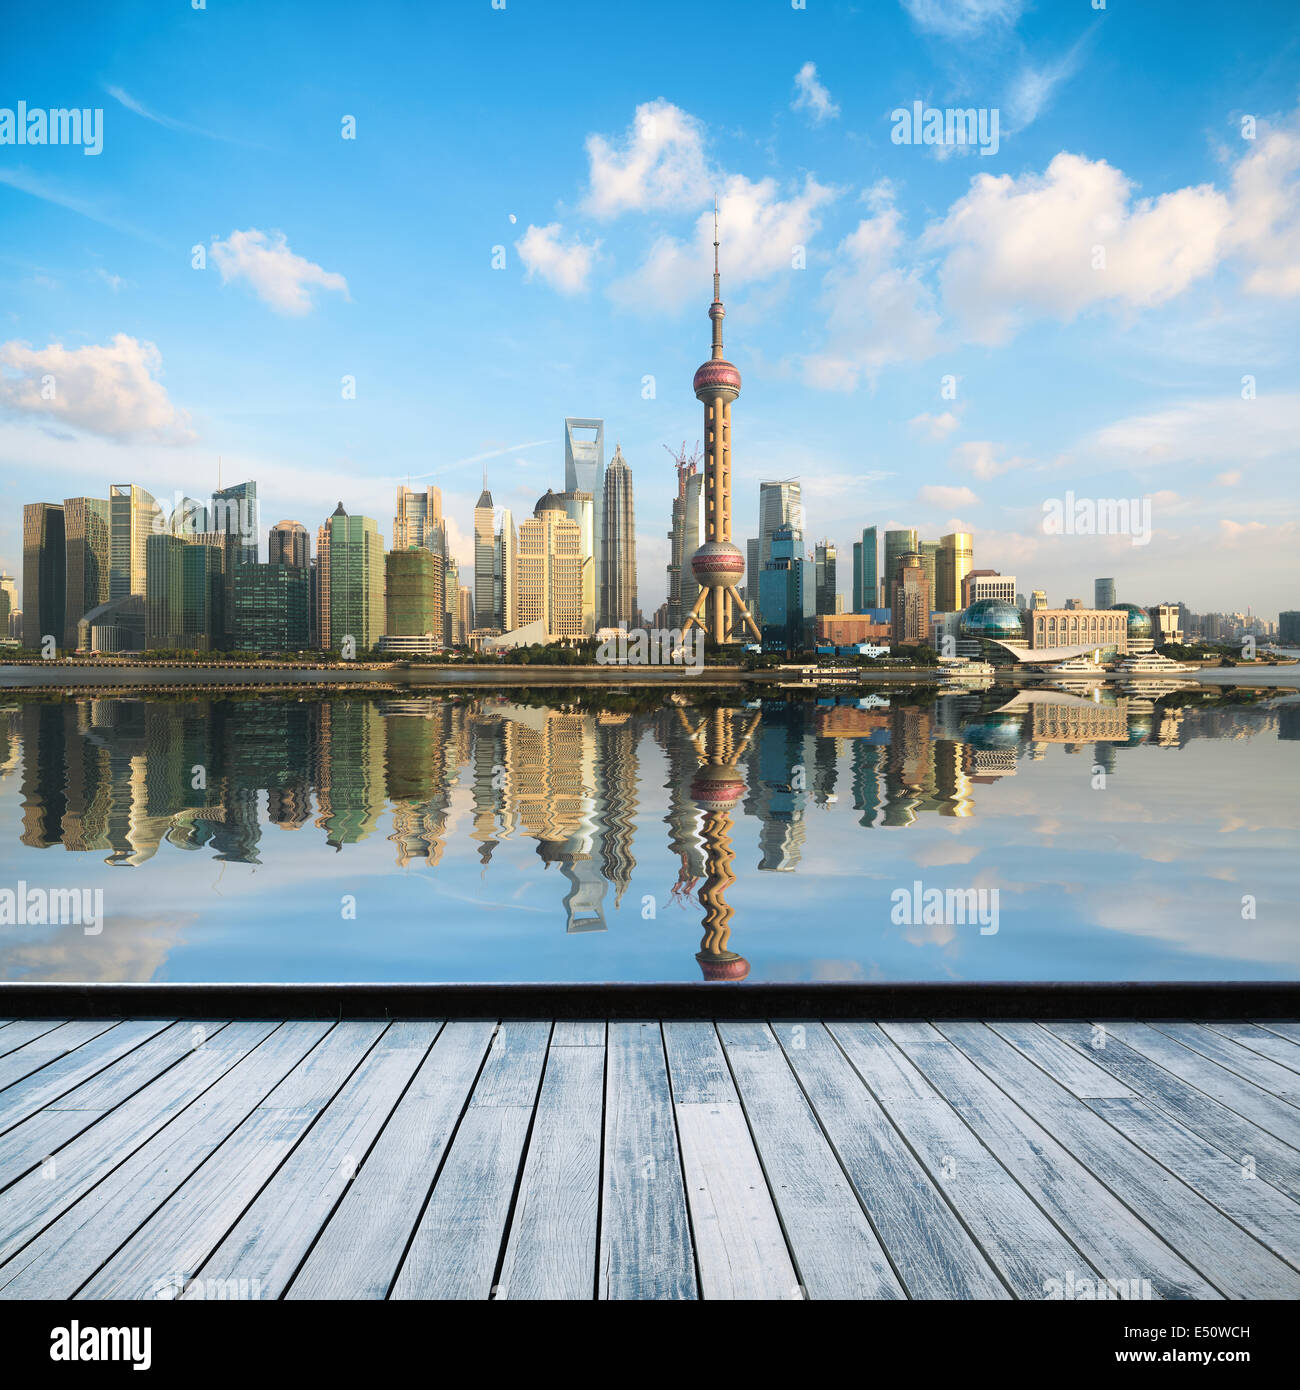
(1063, 999)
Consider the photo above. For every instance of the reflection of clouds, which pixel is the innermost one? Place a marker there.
(955, 853)
(129, 949)
(1197, 924)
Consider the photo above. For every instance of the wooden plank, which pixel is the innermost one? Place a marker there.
(64, 1255)
(268, 1242)
(47, 1048)
(1012, 1232)
(53, 1082)
(39, 1197)
(1269, 1076)
(933, 1252)
(457, 1244)
(1276, 1116)
(739, 1246)
(836, 1252)
(24, 1030)
(1260, 1209)
(1260, 1040)
(41, 1134)
(1206, 1239)
(645, 1243)
(1078, 1074)
(1276, 1163)
(1284, 1028)
(188, 1226)
(1110, 1237)
(361, 1247)
(551, 1250)
(568, 1033)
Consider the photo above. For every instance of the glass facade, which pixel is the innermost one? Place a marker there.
(272, 608)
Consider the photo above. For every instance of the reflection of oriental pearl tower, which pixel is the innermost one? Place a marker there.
(716, 788)
(717, 564)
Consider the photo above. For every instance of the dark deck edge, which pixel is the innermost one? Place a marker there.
(1157, 999)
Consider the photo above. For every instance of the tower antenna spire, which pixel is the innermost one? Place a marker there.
(717, 292)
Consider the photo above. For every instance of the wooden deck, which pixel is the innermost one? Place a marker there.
(648, 1160)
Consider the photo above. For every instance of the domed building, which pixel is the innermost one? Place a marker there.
(993, 619)
(1140, 632)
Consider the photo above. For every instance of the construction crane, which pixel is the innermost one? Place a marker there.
(686, 466)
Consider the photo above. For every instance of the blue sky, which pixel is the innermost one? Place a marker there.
(587, 140)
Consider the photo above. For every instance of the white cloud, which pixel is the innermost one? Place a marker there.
(1029, 245)
(936, 496)
(660, 163)
(110, 389)
(981, 458)
(759, 230)
(1033, 87)
(877, 311)
(278, 277)
(1266, 211)
(962, 18)
(564, 267)
(1229, 479)
(1220, 429)
(812, 96)
(936, 427)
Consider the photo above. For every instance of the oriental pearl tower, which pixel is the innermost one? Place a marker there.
(717, 564)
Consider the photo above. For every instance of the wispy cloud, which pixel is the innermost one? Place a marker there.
(138, 108)
(26, 182)
(811, 95)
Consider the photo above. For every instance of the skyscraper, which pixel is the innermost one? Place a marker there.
(866, 573)
(287, 543)
(88, 539)
(718, 565)
(505, 565)
(272, 606)
(952, 565)
(780, 504)
(824, 555)
(911, 600)
(203, 621)
(550, 570)
(322, 635)
(485, 550)
(787, 593)
(356, 570)
(897, 544)
(414, 599)
(419, 520)
(164, 593)
(618, 604)
(580, 508)
(44, 573)
(584, 471)
(131, 511)
(684, 541)
(1103, 593)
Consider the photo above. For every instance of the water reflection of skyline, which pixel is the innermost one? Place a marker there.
(118, 777)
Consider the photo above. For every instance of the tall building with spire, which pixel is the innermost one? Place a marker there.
(618, 606)
(718, 565)
(684, 538)
(485, 551)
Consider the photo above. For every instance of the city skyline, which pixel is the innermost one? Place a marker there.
(863, 272)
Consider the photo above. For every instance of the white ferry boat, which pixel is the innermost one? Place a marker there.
(1086, 665)
(1149, 664)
